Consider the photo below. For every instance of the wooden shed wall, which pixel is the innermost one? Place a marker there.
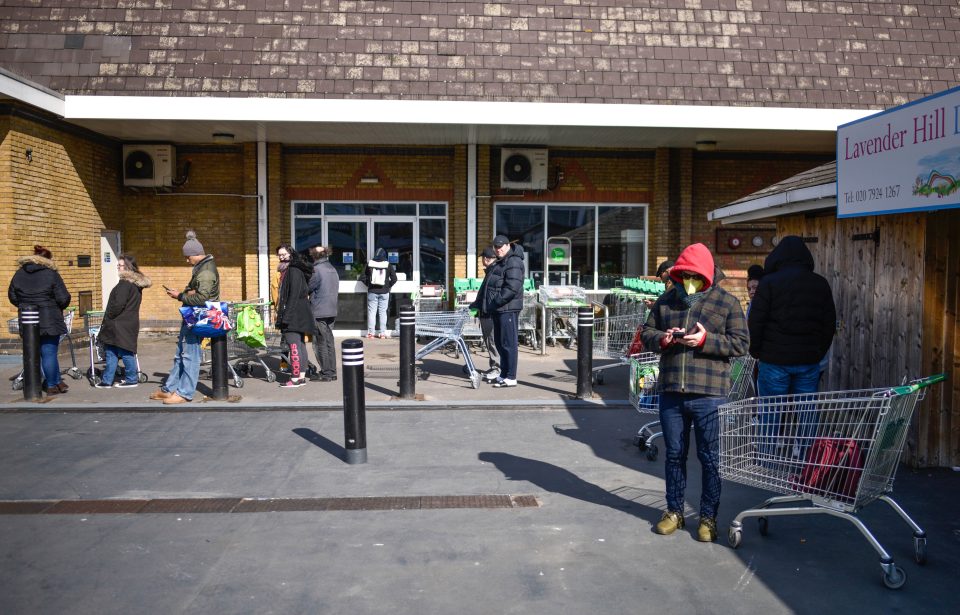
(897, 306)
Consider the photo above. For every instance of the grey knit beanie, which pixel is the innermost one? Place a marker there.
(192, 247)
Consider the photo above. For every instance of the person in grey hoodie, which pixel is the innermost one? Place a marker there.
(324, 287)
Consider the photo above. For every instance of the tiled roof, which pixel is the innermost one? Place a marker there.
(797, 53)
(824, 174)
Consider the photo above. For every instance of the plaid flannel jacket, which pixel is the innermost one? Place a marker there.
(704, 370)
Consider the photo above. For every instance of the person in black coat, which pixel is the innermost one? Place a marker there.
(792, 320)
(38, 283)
(121, 324)
(294, 314)
(503, 300)
(379, 277)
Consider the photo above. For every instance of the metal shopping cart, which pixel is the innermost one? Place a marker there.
(612, 337)
(837, 451)
(241, 356)
(558, 311)
(92, 321)
(465, 292)
(430, 298)
(645, 398)
(528, 322)
(13, 326)
(446, 328)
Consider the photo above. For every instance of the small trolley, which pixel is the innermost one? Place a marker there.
(92, 321)
(241, 356)
(446, 328)
(13, 326)
(645, 398)
(837, 451)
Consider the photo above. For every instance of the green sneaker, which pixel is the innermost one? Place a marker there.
(669, 523)
(707, 532)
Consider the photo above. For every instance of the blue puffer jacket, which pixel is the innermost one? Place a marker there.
(503, 290)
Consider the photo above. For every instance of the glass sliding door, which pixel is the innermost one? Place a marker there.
(396, 238)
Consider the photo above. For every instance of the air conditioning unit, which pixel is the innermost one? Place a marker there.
(149, 166)
(523, 169)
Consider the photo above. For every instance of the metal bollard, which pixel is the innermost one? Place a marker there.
(30, 336)
(584, 352)
(354, 406)
(218, 367)
(408, 369)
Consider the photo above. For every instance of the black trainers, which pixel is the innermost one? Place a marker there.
(123, 384)
(504, 382)
(102, 385)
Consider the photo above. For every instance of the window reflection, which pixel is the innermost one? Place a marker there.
(576, 225)
(622, 245)
(525, 223)
(433, 251)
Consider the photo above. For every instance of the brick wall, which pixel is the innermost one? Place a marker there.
(156, 224)
(852, 54)
(60, 196)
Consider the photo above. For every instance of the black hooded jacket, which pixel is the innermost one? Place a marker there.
(792, 317)
(38, 283)
(294, 312)
(121, 318)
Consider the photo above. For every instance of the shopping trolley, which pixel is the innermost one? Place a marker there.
(446, 328)
(13, 326)
(558, 311)
(465, 292)
(838, 451)
(528, 321)
(92, 322)
(612, 337)
(429, 298)
(241, 357)
(644, 396)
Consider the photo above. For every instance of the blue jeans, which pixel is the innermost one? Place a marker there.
(505, 336)
(186, 365)
(678, 413)
(776, 380)
(49, 364)
(377, 305)
(113, 355)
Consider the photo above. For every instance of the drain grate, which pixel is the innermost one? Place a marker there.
(262, 505)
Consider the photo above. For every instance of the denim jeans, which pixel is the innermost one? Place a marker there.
(49, 364)
(505, 335)
(377, 304)
(113, 355)
(776, 380)
(186, 365)
(324, 347)
(678, 413)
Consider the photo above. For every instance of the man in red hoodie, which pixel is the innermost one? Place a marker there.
(697, 327)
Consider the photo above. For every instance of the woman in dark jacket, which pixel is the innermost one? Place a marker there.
(38, 283)
(294, 314)
(121, 324)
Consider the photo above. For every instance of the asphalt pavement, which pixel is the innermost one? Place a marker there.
(523, 500)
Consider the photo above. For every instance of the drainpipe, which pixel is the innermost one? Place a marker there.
(263, 255)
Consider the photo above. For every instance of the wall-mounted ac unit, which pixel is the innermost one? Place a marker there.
(523, 169)
(149, 166)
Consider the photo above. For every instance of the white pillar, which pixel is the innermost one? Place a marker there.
(263, 251)
(472, 209)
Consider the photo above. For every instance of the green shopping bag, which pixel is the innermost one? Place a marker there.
(250, 327)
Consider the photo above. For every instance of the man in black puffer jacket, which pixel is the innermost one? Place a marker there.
(792, 321)
(503, 300)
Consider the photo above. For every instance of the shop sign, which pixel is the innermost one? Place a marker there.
(901, 160)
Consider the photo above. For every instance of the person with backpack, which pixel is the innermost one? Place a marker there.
(379, 277)
(121, 324)
(38, 283)
(294, 316)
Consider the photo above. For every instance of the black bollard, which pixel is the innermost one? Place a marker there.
(408, 370)
(218, 367)
(30, 335)
(354, 406)
(584, 352)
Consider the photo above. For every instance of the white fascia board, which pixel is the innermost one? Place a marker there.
(821, 196)
(30, 94)
(454, 113)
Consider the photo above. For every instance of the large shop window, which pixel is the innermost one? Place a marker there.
(606, 243)
(414, 235)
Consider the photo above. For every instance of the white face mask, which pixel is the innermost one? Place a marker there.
(692, 285)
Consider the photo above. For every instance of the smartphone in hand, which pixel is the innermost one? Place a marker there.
(678, 334)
